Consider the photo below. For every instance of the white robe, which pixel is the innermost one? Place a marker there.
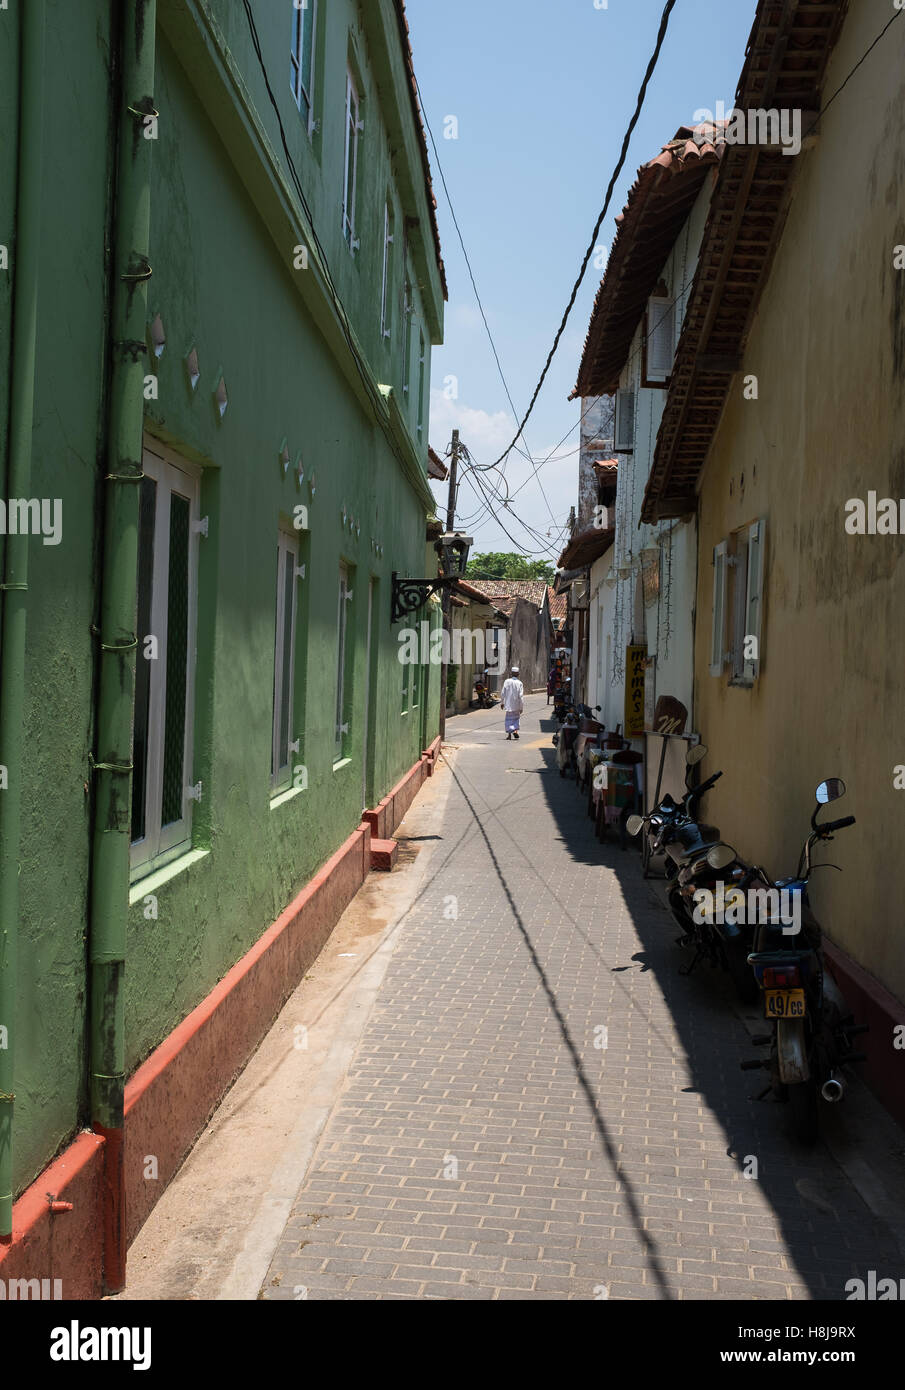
(511, 696)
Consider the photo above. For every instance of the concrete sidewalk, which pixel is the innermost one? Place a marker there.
(540, 1107)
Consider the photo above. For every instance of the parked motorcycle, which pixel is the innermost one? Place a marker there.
(484, 699)
(812, 1033)
(589, 730)
(704, 876)
(564, 742)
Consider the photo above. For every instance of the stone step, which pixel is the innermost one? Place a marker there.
(384, 854)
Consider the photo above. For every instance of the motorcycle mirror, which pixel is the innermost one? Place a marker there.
(696, 752)
(830, 790)
(634, 824)
(721, 856)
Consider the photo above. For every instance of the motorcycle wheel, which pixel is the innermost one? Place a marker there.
(803, 1111)
(746, 987)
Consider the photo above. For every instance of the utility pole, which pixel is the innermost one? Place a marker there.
(447, 596)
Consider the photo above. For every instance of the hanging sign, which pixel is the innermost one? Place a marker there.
(670, 716)
(635, 657)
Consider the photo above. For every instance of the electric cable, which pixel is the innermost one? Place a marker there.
(661, 35)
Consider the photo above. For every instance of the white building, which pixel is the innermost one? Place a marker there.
(641, 588)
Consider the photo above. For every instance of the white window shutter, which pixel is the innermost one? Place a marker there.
(624, 427)
(718, 637)
(661, 334)
(754, 596)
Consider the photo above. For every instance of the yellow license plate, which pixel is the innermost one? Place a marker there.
(784, 1003)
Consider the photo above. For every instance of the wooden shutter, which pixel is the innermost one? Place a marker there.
(661, 333)
(718, 636)
(754, 596)
(624, 427)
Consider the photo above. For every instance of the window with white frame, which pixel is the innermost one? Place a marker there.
(284, 740)
(168, 537)
(659, 338)
(301, 58)
(738, 582)
(342, 620)
(624, 421)
(386, 293)
(350, 174)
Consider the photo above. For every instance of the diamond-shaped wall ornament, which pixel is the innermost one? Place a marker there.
(344, 514)
(299, 471)
(312, 486)
(220, 397)
(284, 457)
(357, 529)
(158, 336)
(192, 368)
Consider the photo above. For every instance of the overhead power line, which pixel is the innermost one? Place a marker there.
(661, 35)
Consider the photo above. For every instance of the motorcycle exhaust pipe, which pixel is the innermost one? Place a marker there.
(833, 1090)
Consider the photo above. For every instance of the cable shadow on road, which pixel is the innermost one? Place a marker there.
(828, 1232)
(627, 1189)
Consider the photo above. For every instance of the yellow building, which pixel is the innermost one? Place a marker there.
(786, 407)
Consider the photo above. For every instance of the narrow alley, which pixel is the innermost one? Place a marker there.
(486, 1145)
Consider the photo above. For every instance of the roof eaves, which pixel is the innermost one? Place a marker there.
(646, 230)
(422, 137)
(782, 64)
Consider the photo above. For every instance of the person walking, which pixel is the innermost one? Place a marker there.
(512, 698)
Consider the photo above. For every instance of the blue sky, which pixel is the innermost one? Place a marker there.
(542, 91)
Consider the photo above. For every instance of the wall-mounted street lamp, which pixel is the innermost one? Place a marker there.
(409, 594)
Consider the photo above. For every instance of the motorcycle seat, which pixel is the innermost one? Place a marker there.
(695, 840)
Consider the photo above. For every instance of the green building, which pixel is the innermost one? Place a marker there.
(220, 282)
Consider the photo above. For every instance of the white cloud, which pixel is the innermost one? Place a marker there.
(486, 436)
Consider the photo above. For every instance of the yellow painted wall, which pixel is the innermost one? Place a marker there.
(828, 349)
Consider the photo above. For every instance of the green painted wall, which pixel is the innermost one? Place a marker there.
(223, 229)
(67, 452)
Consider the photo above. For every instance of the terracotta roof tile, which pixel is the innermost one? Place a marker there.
(785, 63)
(531, 589)
(659, 202)
(607, 471)
(559, 606)
(436, 468)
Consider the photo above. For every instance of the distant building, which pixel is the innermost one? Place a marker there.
(526, 604)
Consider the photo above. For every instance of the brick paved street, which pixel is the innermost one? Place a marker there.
(484, 1147)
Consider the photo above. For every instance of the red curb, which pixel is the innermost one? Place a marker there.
(69, 1246)
(873, 1004)
(172, 1095)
